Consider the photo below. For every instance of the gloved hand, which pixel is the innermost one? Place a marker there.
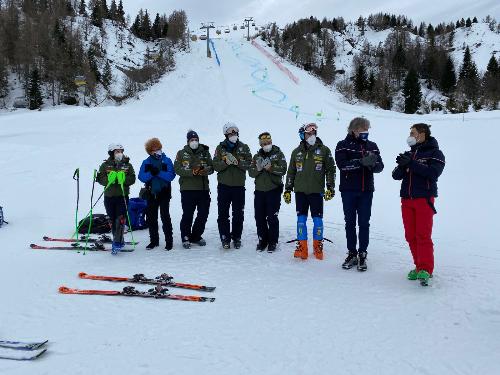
(287, 196)
(112, 177)
(120, 176)
(266, 164)
(369, 160)
(259, 163)
(403, 160)
(154, 170)
(230, 159)
(329, 194)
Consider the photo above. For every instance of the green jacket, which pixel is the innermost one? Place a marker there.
(269, 180)
(111, 165)
(309, 167)
(232, 175)
(186, 160)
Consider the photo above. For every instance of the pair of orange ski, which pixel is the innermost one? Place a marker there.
(158, 292)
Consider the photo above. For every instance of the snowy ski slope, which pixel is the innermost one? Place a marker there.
(273, 314)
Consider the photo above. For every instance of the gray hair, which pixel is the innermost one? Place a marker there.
(358, 123)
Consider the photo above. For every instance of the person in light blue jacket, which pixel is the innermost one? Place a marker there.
(157, 172)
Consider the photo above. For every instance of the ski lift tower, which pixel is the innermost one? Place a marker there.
(248, 20)
(207, 26)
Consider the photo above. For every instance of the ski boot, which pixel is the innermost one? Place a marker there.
(226, 245)
(237, 244)
(424, 277)
(186, 245)
(116, 247)
(200, 242)
(362, 261)
(412, 275)
(318, 249)
(152, 245)
(261, 246)
(302, 250)
(351, 260)
(272, 248)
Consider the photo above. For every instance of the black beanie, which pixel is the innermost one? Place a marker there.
(192, 134)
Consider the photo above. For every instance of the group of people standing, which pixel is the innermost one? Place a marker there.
(310, 175)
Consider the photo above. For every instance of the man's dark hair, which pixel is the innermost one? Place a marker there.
(423, 128)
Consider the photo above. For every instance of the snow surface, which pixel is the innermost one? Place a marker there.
(273, 314)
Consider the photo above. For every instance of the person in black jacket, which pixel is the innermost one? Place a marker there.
(358, 159)
(419, 170)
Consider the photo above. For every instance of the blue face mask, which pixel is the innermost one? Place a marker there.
(363, 136)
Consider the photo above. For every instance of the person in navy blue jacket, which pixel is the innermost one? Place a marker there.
(419, 170)
(157, 172)
(358, 159)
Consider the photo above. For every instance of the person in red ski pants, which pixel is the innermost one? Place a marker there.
(419, 170)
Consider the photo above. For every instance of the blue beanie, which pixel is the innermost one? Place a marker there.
(192, 134)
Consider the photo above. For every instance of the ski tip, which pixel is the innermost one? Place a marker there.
(82, 275)
(46, 238)
(34, 246)
(64, 289)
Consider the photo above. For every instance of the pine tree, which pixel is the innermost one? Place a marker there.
(120, 13)
(107, 75)
(474, 20)
(82, 9)
(156, 30)
(136, 26)
(113, 11)
(469, 77)
(4, 82)
(104, 9)
(360, 81)
(96, 16)
(34, 92)
(491, 84)
(468, 23)
(412, 92)
(146, 26)
(448, 79)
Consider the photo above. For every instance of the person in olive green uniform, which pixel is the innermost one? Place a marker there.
(194, 164)
(232, 159)
(268, 168)
(116, 173)
(310, 165)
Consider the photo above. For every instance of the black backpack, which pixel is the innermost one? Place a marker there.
(100, 224)
(2, 218)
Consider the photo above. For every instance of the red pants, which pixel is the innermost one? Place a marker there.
(417, 220)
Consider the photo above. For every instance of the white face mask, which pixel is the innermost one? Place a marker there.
(311, 140)
(412, 141)
(119, 156)
(267, 148)
(194, 145)
(233, 139)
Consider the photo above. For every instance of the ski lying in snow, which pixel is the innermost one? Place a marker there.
(20, 345)
(92, 247)
(162, 280)
(20, 355)
(100, 239)
(129, 291)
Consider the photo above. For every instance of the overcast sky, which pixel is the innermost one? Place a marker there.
(224, 12)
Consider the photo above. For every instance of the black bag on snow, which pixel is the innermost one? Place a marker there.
(2, 218)
(100, 224)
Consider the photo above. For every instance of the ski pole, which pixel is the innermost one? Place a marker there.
(91, 209)
(76, 177)
(128, 216)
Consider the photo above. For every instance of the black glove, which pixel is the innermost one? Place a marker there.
(154, 170)
(369, 160)
(164, 168)
(403, 160)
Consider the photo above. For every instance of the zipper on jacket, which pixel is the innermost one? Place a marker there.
(411, 173)
(362, 171)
